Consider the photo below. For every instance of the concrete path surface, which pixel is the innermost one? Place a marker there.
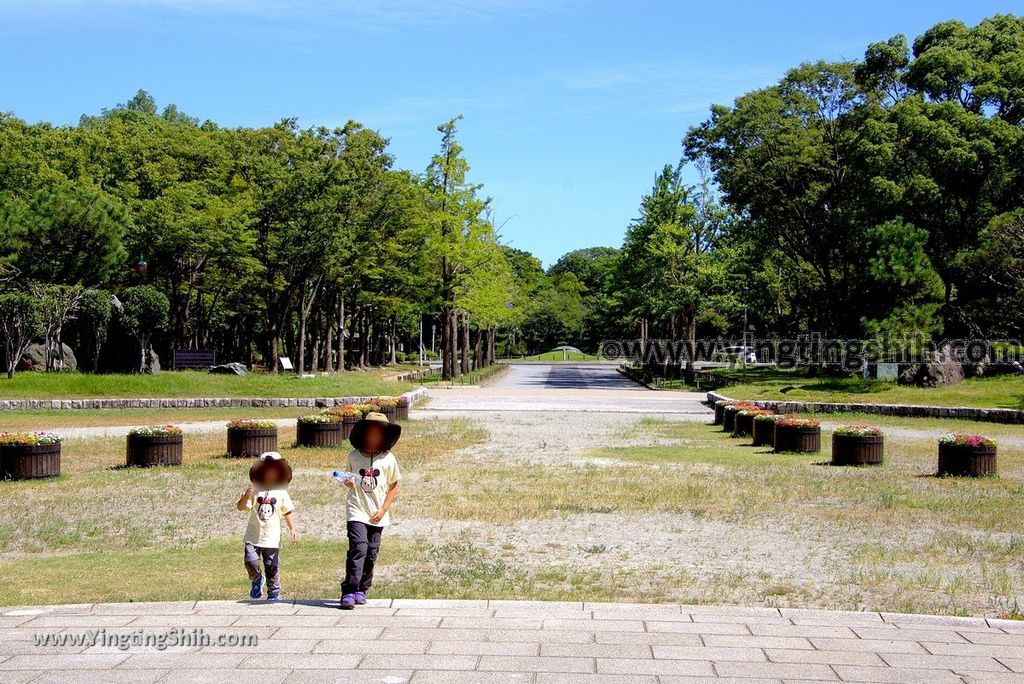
(497, 641)
(566, 387)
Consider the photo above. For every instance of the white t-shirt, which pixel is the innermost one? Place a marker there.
(377, 474)
(266, 509)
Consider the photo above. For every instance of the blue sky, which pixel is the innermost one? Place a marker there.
(570, 106)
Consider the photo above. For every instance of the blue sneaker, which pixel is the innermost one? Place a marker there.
(273, 599)
(360, 598)
(348, 602)
(257, 588)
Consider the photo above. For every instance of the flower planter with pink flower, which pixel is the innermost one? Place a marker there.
(720, 410)
(967, 455)
(764, 429)
(857, 445)
(154, 445)
(743, 424)
(248, 438)
(318, 430)
(798, 435)
(386, 405)
(729, 412)
(29, 455)
(349, 415)
(402, 408)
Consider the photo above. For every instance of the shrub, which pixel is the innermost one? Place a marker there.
(28, 438)
(156, 430)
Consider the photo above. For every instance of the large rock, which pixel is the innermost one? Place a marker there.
(34, 358)
(943, 369)
(233, 368)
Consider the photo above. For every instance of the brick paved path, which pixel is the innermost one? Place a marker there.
(497, 641)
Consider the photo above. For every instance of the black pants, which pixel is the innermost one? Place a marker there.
(363, 545)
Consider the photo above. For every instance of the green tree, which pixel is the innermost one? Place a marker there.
(73, 235)
(454, 208)
(94, 313)
(20, 321)
(146, 312)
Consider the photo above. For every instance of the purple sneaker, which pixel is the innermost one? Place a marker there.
(360, 598)
(348, 602)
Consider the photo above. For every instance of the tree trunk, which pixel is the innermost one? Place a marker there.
(394, 341)
(341, 333)
(329, 345)
(691, 341)
(447, 340)
(478, 350)
(465, 344)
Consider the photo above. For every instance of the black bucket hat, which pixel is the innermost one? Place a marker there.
(392, 431)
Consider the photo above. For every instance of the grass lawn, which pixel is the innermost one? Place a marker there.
(891, 538)
(185, 384)
(1001, 391)
(53, 419)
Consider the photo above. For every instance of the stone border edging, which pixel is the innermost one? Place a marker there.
(205, 402)
(993, 415)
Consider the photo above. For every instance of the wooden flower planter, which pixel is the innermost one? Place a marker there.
(318, 434)
(243, 443)
(390, 411)
(794, 438)
(729, 418)
(28, 462)
(719, 414)
(154, 450)
(967, 461)
(402, 412)
(743, 425)
(764, 433)
(850, 450)
(347, 423)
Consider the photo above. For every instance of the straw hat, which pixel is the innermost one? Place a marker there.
(271, 471)
(392, 431)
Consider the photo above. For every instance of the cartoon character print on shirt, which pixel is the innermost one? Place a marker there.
(265, 511)
(368, 478)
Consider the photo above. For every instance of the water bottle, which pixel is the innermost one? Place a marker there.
(342, 476)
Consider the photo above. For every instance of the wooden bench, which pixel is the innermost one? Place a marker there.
(193, 358)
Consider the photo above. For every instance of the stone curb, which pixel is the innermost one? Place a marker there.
(204, 402)
(990, 415)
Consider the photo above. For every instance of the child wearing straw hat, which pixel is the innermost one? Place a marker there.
(267, 500)
(371, 491)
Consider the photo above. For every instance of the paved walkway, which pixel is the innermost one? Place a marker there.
(495, 641)
(566, 387)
